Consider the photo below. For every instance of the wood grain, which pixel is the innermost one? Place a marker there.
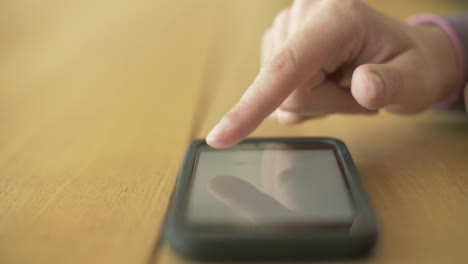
(96, 107)
(98, 100)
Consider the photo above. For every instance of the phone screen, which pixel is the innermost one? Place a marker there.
(271, 185)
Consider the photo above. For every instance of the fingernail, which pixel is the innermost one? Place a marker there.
(214, 133)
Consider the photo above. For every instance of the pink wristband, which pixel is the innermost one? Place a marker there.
(459, 52)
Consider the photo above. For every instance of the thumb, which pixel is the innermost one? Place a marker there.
(397, 84)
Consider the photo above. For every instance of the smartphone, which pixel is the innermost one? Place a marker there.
(270, 198)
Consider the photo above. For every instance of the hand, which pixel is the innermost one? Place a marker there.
(340, 56)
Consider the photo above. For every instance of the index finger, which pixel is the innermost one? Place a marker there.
(301, 58)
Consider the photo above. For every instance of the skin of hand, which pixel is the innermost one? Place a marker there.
(340, 56)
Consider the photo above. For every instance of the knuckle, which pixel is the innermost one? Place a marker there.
(351, 15)
(283, 61)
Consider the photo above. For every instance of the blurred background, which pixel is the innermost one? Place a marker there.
(110, 55)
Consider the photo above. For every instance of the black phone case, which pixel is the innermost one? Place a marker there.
(261, 246)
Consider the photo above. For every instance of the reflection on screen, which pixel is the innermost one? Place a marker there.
(271, 186)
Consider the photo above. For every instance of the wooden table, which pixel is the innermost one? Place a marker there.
(98, 100)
